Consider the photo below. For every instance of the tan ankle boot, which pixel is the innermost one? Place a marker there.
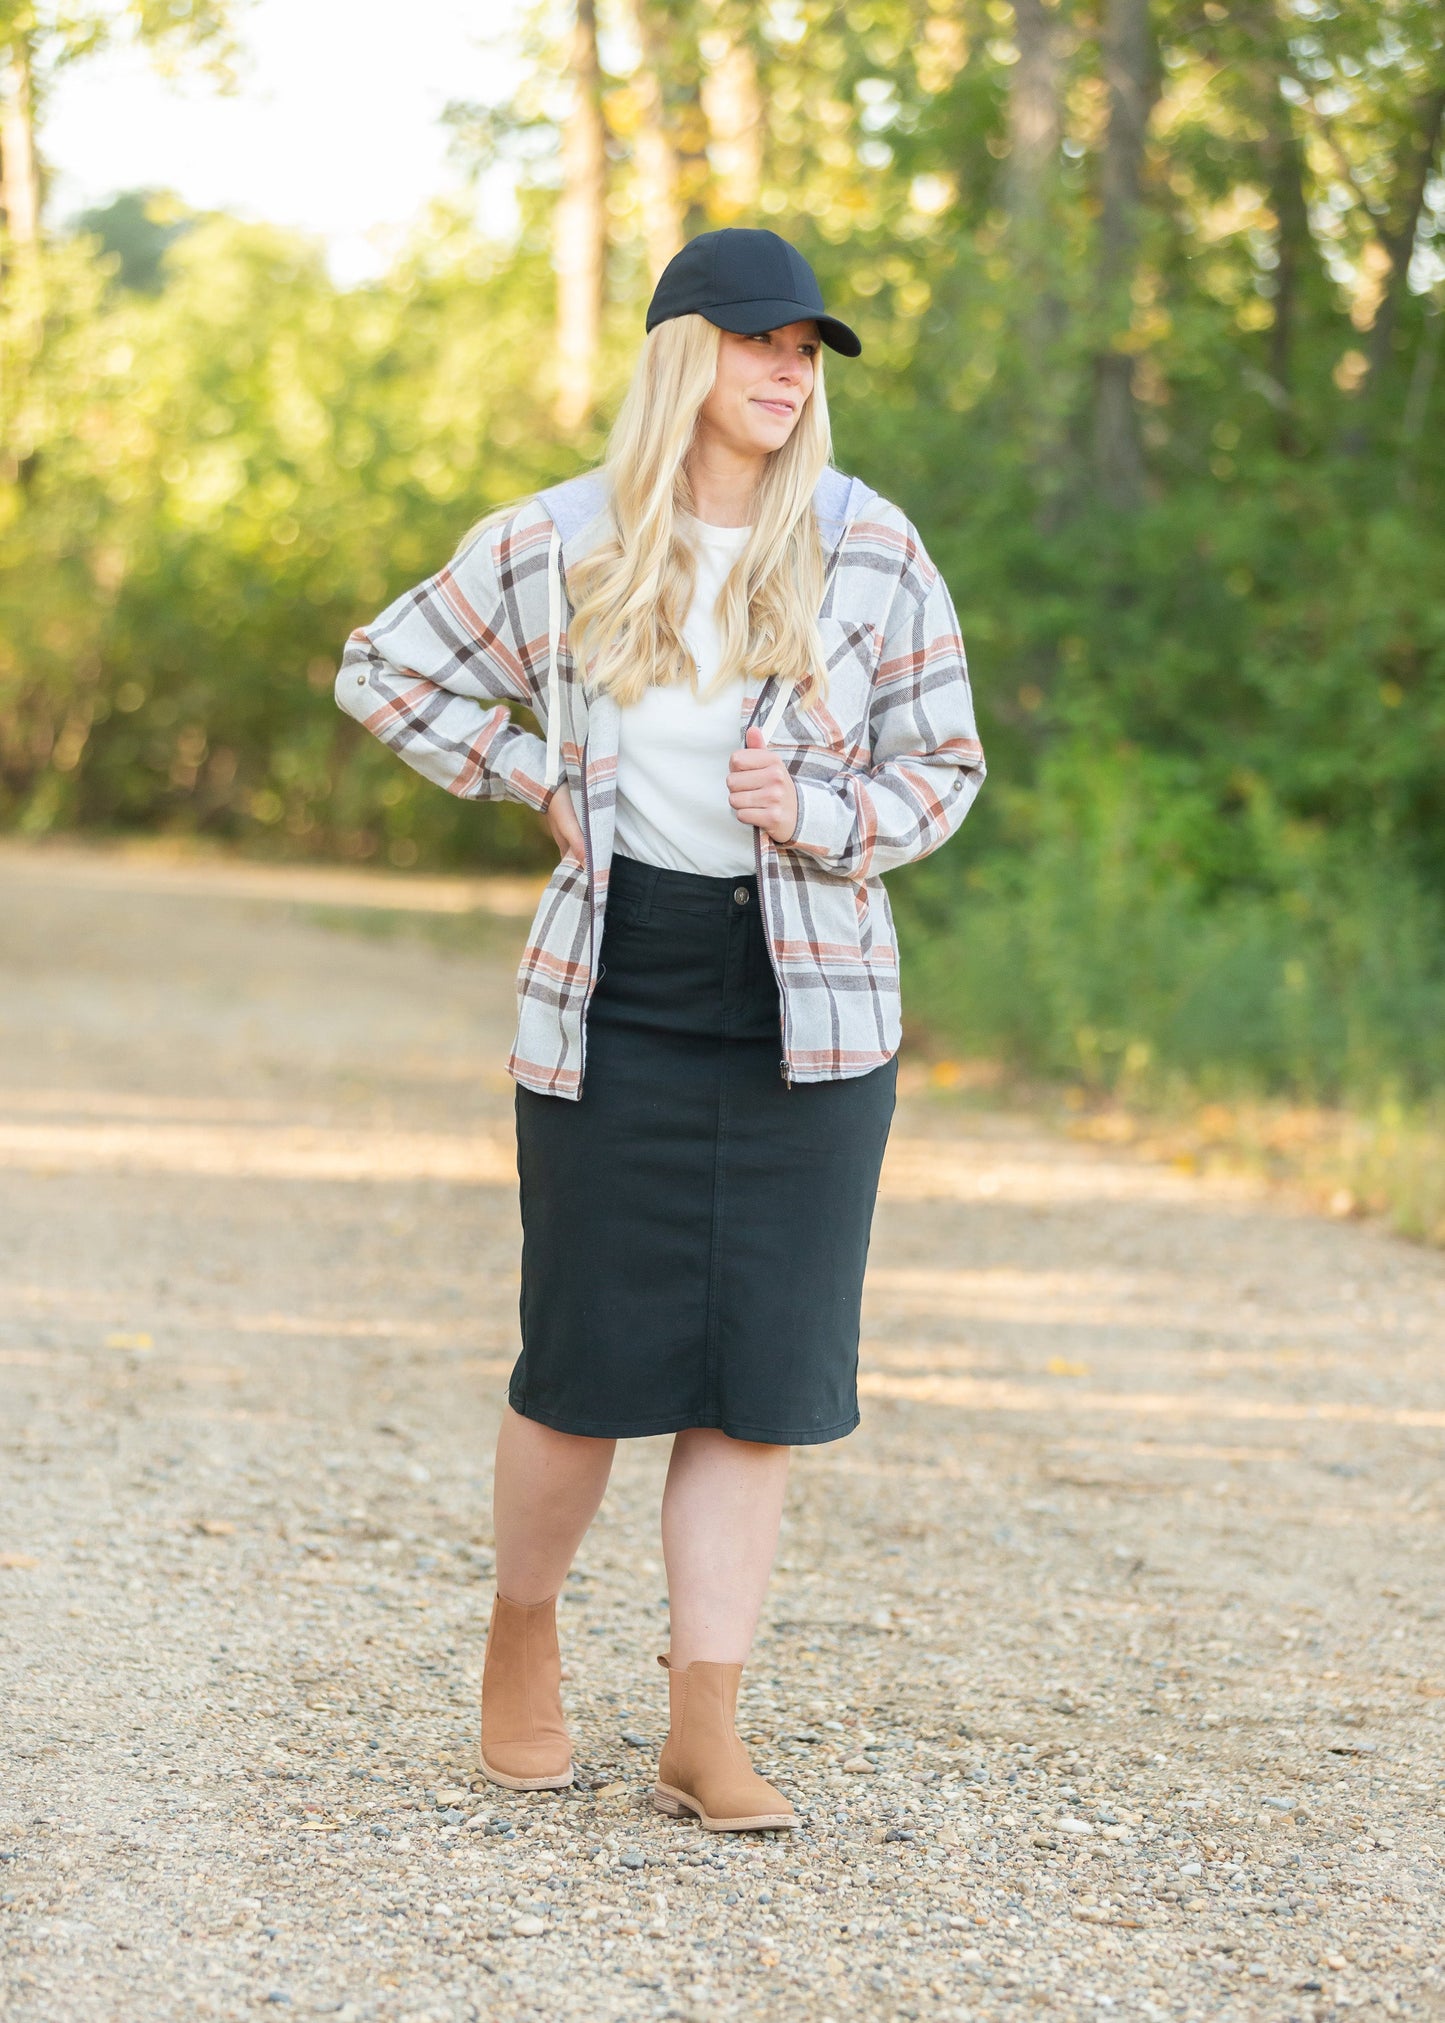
(705, 1768)
(525, 1745)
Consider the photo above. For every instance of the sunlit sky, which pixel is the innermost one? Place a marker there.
(336, 127)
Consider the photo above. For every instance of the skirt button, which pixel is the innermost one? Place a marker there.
(740, 893)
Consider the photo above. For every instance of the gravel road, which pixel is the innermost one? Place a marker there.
(1106, 1662)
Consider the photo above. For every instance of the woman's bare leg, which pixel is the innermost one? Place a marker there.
(721, 1511)
(546, 1489)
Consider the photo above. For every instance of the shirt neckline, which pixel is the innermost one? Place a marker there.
(711, 532)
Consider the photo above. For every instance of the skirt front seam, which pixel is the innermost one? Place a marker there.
(711, 1383)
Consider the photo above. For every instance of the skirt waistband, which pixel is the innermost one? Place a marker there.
(693, 891)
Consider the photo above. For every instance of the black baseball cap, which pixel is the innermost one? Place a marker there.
(746, 280)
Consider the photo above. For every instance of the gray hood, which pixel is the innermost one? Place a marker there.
(578, 504)
(578, 511)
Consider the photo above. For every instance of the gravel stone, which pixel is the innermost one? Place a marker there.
(1100, 1694)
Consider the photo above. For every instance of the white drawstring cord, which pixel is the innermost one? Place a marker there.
(554, 678)
(775, 713)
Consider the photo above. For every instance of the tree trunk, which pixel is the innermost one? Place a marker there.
(1035, 124)
(1412, 178)
(1131, 78)
(20, 269)
(656, 155)
(580, 230)
(1035, 117)
(19, 172)
(1417, 399)
(693, 170)
(734, 114)
(1291, 244)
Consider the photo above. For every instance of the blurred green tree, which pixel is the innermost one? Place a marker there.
(1151, 306)
(137, 227)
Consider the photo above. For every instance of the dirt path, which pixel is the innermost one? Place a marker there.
(1128, 1592)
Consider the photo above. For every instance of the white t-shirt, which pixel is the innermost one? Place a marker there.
(672, 756)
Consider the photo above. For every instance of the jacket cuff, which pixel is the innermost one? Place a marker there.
(823, 826)
(524, 769)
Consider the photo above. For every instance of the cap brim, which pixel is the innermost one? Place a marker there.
(746, 319)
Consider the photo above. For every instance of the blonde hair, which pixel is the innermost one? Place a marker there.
(630, 595)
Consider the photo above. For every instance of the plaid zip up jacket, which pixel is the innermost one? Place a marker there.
(885, 769)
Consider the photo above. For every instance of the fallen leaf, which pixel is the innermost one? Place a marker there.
(215, 1527)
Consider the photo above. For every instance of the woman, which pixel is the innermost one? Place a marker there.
(755, 702)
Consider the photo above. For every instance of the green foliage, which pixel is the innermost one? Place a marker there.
(1212, 841)
(1212, 845)
(1088, 942)
(236, 473)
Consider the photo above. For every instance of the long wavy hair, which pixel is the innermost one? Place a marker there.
(630, 594)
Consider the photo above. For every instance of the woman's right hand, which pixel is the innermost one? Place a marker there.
(566, 829)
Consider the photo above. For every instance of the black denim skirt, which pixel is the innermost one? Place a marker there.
(695, 1229)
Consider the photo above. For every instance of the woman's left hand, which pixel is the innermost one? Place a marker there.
(761, 789)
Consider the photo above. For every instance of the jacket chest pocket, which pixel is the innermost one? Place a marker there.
(838, 724)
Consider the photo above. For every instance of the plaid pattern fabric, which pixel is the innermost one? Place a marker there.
(885, 769)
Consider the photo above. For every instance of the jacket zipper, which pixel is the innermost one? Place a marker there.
(784, 1065)
(592, 949)
(587, 862)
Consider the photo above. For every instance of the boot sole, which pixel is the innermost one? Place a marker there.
(558, 1782)
(666, 1798)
